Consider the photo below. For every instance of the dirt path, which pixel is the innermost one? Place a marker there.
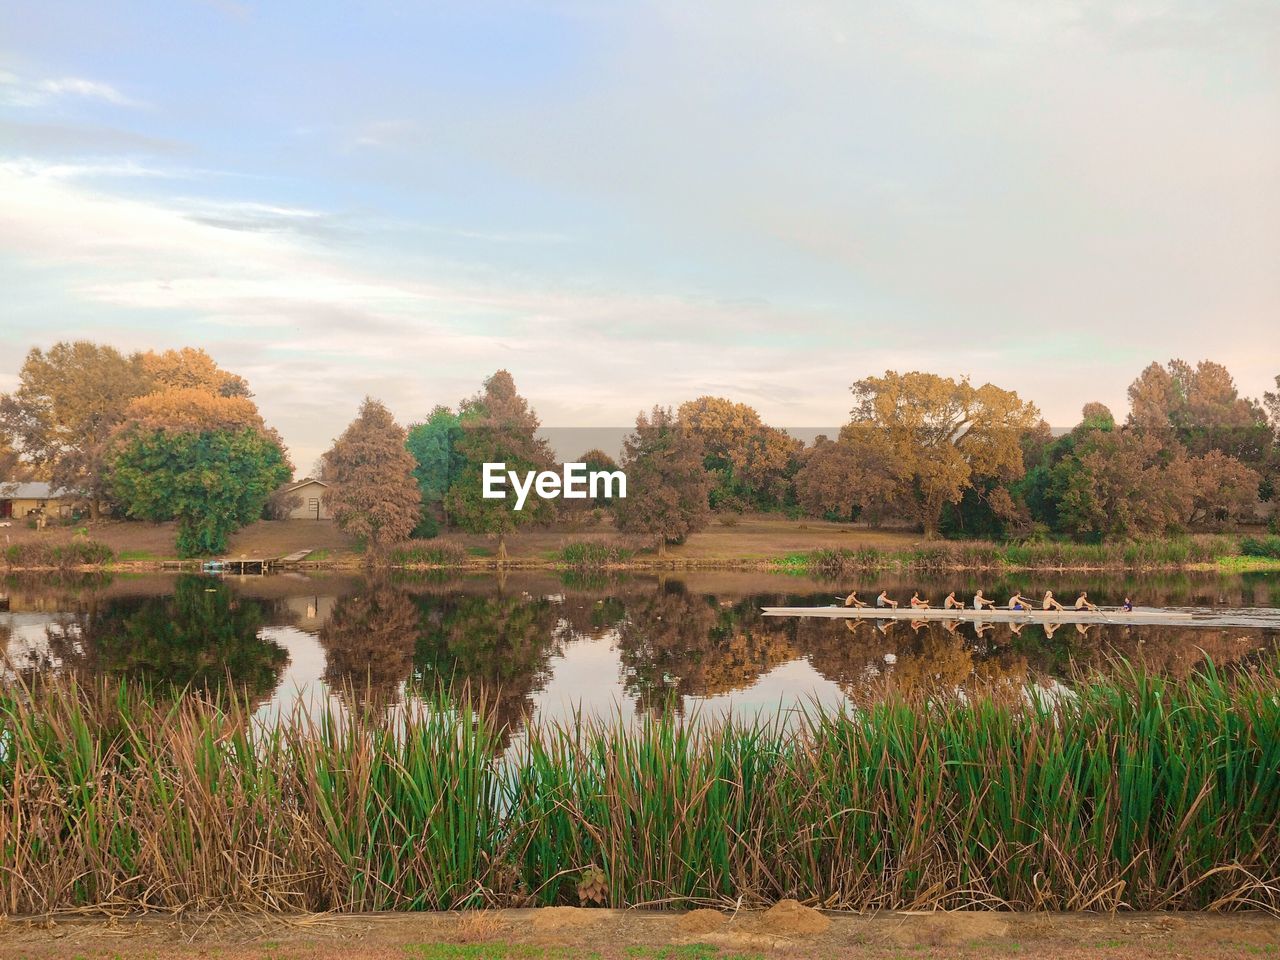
(567, 933)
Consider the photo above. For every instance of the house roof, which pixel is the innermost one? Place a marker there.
(302, 483)
(12, 490)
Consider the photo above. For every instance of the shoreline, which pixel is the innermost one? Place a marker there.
(1235, 563)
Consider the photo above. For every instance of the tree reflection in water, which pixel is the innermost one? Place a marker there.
(201, 635)
(499, 646)
(368, 642)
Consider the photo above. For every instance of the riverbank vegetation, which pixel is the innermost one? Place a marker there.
(172, 437)
(1134, 792)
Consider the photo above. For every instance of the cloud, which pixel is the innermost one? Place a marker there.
(26, 92)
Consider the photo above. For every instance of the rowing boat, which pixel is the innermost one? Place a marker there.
(998, 615)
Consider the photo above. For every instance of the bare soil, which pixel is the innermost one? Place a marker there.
(786, 930)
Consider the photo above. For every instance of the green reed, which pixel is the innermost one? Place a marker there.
(1135, 792)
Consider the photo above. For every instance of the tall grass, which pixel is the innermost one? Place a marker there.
(1032, 555)
(429, 553)
(594, 555)
(64, 556)
(1138, 792)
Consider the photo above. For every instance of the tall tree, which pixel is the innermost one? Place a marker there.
(942, 434)
(1272, 403)
(667, 486)
(434, 445)
(70, 400)
(498, 426)
(750, 461)
(372, 493)
(204, 460)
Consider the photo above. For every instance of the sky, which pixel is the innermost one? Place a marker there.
(644, 202)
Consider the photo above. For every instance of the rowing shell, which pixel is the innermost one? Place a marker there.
(997, 615)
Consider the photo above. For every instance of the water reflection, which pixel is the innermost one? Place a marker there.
(538, 644)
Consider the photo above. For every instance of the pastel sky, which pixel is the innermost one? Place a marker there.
(627, 203)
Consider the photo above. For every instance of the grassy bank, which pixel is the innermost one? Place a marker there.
(1138, 793)
(767, 544)
(1155, 554)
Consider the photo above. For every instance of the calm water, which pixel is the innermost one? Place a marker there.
(546, 645)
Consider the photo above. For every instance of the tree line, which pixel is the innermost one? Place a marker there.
(171, 436)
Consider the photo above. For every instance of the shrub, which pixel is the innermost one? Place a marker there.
(1268, 546)
(594, 554)
(78, 553)
(428, 553)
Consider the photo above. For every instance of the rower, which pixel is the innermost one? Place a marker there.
(951, 603)
(1049, 602)
(1019, 602)
(884, 601)
(852, 600)
(1082, 601)
(979, 601)
(1127, 606)
(917, 603)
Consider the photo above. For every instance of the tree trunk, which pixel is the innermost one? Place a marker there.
(502, 549)
(662, 546)
(95, 509)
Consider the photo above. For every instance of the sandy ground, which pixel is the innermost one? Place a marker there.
(754, 537)
(786, 930)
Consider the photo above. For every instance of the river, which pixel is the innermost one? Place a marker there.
(546, 645)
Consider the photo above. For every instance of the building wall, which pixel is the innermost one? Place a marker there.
(19, 508)
(312, 506)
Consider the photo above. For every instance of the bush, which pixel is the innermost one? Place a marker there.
(429, 553)
(78, 553)
(1268, 546)
(594, 554)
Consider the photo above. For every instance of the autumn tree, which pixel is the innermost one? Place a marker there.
(69, 401)
(667, 486)
(191, 368)
(372, 493)
(202, 459)
(941, 434)
(847, 477)
(498, 426)
(434, 445)
(1201, 408)
(750, 462)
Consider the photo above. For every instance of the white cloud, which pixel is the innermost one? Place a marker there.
(26, 92)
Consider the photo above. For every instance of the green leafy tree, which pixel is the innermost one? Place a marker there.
(434, 445)
(372, 492)
(211, 482)
(667, 486)
(498, 426)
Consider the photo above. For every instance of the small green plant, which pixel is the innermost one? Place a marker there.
(1268, 546)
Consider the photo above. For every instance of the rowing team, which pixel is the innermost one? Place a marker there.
(1016, 602)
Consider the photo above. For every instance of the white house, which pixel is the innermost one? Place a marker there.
(309, 496)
